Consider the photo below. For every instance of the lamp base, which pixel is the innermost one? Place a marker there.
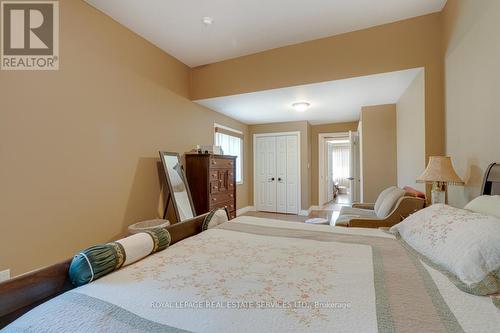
(438, 194)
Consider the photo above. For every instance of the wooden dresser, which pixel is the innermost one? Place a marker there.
(212, 181)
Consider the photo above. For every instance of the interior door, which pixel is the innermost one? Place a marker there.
(266, 173)
(354, 167)
(329, 171)
(292, 174)
(281, 174)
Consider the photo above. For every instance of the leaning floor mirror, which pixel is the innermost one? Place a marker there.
(178, 189)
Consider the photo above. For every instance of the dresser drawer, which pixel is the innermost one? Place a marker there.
(215, 186)
(221, 197)
(228, 204)
(221, 163)
(218, 187)
(221, 180)
(213, 175)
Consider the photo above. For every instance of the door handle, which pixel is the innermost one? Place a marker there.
(280, 179)
(350, 178)
(271, 179)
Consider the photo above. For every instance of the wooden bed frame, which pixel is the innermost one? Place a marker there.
(20, 294)
(491, 180)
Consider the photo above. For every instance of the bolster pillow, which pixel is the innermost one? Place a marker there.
(214, 218)
(96, 261)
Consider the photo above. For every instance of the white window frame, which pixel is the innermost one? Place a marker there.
(242, 148)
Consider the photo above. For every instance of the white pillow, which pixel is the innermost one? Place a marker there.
(389, 201)
(463, 245)
(485, 204)
(382, 196)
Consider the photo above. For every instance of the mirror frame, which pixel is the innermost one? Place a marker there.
(170, 188)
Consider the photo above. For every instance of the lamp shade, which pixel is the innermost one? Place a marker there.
(441, 170)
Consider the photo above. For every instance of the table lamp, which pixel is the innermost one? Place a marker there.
(440, 173)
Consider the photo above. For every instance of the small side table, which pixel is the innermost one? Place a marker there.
(147, 225)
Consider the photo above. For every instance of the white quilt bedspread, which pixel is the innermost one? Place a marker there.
(261, 275)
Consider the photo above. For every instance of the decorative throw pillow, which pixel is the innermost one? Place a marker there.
(463, 245)
(485, 204)
(410, 191)
(214, 218)
(387, 204)
(97, 261)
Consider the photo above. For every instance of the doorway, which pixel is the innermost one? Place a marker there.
(339, 169)
(277, 172)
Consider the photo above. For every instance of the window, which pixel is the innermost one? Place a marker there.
(340, 163)
(231, 142)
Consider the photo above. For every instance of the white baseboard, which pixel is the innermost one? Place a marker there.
(244, 210)
(5, 275)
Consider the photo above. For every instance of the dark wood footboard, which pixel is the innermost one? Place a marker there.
(22, 293)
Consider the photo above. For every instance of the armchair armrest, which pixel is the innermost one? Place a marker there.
(364, 205)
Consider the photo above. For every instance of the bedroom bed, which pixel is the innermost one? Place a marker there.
(253, 274)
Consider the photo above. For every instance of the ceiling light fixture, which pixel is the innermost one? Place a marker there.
(207, 20)
(301, 106)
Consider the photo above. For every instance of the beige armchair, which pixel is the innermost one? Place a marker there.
(393, 205)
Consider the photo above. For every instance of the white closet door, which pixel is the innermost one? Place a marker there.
(266, 173)
(281, 166)
(292, 174)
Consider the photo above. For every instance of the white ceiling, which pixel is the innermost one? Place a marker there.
(248, 26)
(333, 101)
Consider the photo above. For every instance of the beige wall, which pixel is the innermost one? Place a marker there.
(411, 43)
(79, 146)
(305, 173)
(472, 54)
(410, 115)
(379, 151)
(315, 131)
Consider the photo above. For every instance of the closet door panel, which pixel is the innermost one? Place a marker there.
(270, 192)
(292, 174)
(265, 154)
(260, 166)
(281, 174)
